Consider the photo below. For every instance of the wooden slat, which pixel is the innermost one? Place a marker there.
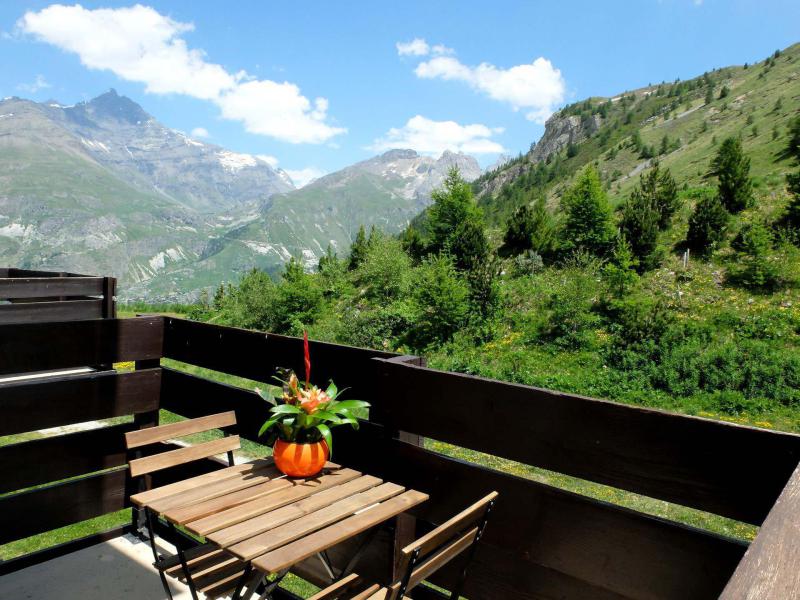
(256, 355)
(286, 556)
(338, 589)
(59, 345)
(214, 489)
(237, 525)
(451, 527)
(47, 287)
(771, 566)
(38, 404)
(441, 557)
(723, 468)
(58, 457)
(238, 506)
(192, 396)
(238, 472)
(151, 435)
(324, 517)
(165, 460)
(64, 310)
(42, 509)
(541, 539)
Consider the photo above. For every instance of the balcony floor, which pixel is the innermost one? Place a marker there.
(117, 569)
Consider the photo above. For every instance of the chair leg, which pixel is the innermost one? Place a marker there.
(184, 566)
(152, 535)
(463, 575)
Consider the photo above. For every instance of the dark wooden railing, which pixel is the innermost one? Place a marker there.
(542, 542)
(37, 296)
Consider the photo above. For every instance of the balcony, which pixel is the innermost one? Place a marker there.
(542, 542)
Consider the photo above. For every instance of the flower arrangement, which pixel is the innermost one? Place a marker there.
(303, 413)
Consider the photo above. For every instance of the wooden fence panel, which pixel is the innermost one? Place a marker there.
(723, 468)
(48, 287)
(771, 567)
(256, 355)
(60, 504)
(59, 345)
(192, 396)
(58, 457)
(542, 539)
(63, 310)
(33, 405)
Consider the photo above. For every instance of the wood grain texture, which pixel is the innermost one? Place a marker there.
(63, 310)
(330, 515)
(59, 345)
(771, 567)
(258, 503)
(151, 435)
(286, 556)
(173, 458)
(241, 471)
(47, 287)
(42, 509)
(727, 469)
(215, 488)
(38, 404)
(58, 457)
(256, 355)
(542, 539)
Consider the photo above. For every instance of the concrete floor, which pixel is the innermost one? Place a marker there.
(118, 569)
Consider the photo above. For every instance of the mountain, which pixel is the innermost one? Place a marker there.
(120, 135)
(385, 191)
(680, 124)
(103, 187)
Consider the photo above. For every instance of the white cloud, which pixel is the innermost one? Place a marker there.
(416, 47)
(419, 47)
(40, 83)
(270, 160)
(434, 137)
(302, 177)
(537, 87)
(139, 44)
(199, 132)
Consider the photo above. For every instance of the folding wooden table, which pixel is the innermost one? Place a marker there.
(262, 522)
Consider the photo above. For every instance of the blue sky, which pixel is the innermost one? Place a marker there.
(316, 86)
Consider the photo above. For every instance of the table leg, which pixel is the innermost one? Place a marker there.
(404, 533)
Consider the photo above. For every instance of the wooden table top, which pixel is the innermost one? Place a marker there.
(258, 514)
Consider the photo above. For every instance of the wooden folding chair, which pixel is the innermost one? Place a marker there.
(192, 561)
(422, 558)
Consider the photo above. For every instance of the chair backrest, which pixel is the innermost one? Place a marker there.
(171, 458)
(422, 558)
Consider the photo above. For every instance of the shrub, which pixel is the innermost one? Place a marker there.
(754, 267)
(441, 298)
(707, 225)
(573, 318)
(732, 168)
(588, 226)
(385, 271)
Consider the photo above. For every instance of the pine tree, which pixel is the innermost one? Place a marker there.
(707, 225)
(794, 137)
(219, 297)
(709, 94)
(358, 251)
(588, 225)
(754, 269)
(732, 168)
(620, 271)
(790, 220)
(639, 225)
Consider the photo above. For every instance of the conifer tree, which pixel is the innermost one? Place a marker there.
(732, 168)
(358, 251)
(707, 225)
(588, 224)
(639, 225)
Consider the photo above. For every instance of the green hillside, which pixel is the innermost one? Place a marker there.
(755, 102)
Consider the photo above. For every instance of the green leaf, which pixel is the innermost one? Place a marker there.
(350, 405)
(266, 426)
(332, 391)
(284, 409)
(326, 435)
(325, 415)
(266, 396)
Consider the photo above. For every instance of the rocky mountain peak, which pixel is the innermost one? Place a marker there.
(111, 106)
(398, 154)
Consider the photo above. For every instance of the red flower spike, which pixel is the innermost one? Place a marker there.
(307, 356)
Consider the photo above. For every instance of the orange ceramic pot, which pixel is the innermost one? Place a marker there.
(300, 460)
